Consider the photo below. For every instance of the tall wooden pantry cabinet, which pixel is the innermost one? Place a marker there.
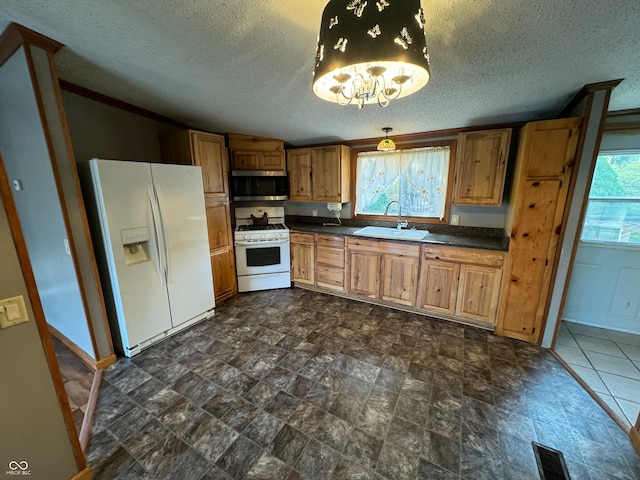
(208, 151)
(535, 219)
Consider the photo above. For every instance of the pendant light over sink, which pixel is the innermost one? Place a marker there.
(370, 51)
(386, 144)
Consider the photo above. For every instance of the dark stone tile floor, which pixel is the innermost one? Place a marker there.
(293, 384)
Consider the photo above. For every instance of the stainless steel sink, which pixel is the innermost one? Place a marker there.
(392, 233)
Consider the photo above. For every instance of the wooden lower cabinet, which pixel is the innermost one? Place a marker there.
(460, 282)
(303, 258)
(400, 279)
(221, 248)
(383, 270)
(478, 293)
(223, 266)
(439, 286)
(364, 274)
(330, 262)
(456, 283)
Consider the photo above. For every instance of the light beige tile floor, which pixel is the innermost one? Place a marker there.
(608, 361)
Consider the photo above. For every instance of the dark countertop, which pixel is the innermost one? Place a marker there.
(454, 236)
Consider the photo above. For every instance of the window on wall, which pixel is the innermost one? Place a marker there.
(416, 178)
(613, 209)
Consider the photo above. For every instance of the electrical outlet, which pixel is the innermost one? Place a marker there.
(455, 219)
(12, 311)
(314, 212)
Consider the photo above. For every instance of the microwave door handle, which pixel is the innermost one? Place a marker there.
(259, 243)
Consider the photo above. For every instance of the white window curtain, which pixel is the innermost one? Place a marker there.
(417, 178)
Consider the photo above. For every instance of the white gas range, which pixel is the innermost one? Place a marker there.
(261, 242)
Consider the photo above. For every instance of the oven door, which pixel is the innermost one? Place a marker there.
(256, 258)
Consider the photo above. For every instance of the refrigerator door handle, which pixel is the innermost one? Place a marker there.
(165, 238)
(155, 216)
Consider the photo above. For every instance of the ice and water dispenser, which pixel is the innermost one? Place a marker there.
(135, 242)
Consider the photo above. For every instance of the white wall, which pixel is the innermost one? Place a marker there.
(27, 160)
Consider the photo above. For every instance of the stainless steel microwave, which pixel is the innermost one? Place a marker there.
(259, 185)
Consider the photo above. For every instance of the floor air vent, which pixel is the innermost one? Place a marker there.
(551, 463)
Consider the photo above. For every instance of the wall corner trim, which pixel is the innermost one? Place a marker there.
(16, 35)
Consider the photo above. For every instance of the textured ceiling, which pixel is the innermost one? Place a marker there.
(245, 66)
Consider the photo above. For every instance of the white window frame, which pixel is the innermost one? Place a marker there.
(608, 200)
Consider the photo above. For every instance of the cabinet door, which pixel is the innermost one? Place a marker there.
(327, 180)
(330, 257)
(400, 279)
(272, 161)
(364, 273)
(299, 173)
(481, 167)
(439, 285)
(223, 265)
(478, 293)
(210, 154)
(550, 146)
(218, 224)
(531, 254)
(221, 247)
(302, 263)
(245, 160)
(331, 278)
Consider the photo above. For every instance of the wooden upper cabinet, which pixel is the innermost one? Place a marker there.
(210, 154)
(481, 167)
(550, 149)
(206, 150)
(254, 160)
(299, 173)
(330, 170)
(319, 174)
(249, 152)
(272, 161)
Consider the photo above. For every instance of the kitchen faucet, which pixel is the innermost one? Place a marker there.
(401, 223)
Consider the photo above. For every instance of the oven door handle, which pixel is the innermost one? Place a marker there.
(258, 243)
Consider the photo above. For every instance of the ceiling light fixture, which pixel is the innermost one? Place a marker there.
(386, 144)
(370, 51)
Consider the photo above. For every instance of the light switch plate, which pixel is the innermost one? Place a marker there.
(12, 311)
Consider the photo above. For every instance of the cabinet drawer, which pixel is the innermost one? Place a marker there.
(330, 241)
(331, 257)
(332, 278)
(396, 248)
(463, 255)
(297, 237)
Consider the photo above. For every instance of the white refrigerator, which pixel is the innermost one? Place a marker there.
(155, 249)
